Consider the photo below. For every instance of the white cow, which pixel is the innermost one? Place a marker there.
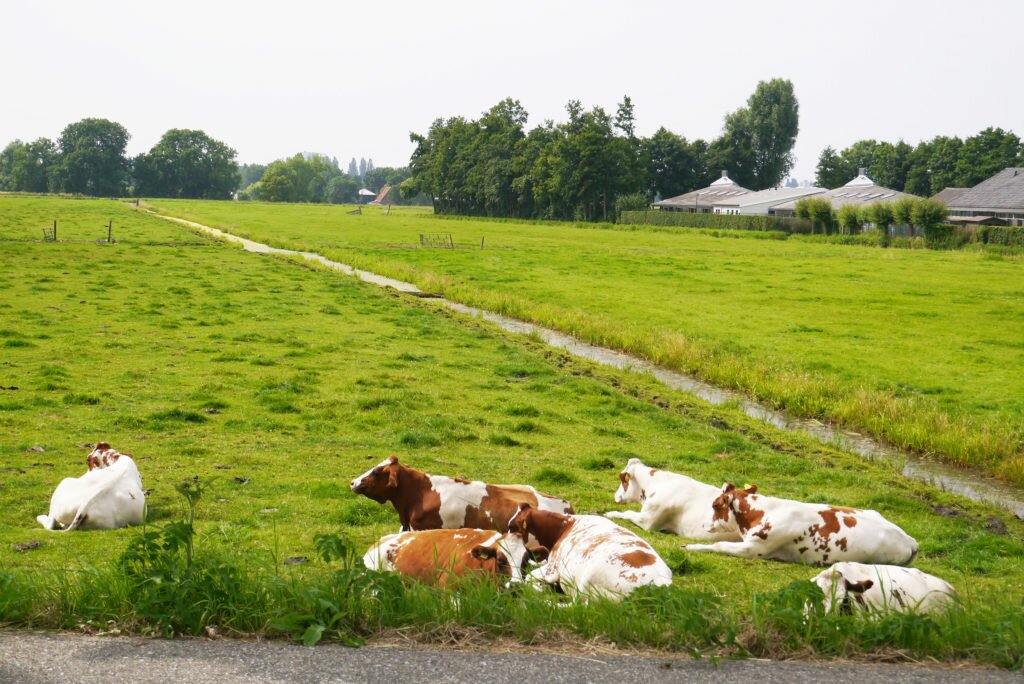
(669, 503)
(798, 532)
(848, 586)
(107, 497)
(590, 555)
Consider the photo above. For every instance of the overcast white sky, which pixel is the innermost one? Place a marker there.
(352, 79)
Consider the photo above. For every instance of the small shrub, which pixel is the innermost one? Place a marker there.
(524, 411)
(416, 439)
(598, 463)
(177, 415)
(80, 400)
(554, 476)
(503, 440)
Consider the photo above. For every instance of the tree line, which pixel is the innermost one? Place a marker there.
(89, 158)
(317, 178)
(593, 163)
(927, 168)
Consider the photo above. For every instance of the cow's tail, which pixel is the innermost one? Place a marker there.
(82, 514)
(79, 518)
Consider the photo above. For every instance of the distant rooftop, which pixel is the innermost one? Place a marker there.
(950, 195)
(705, 198)
(861, 190)
(1003, 191)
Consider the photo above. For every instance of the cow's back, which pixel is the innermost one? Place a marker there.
(891, 587)
(499, 503)
(431, 556)
(597, 557)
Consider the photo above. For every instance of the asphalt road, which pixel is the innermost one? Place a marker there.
(68, 658)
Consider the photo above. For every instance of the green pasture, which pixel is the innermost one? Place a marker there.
(924, 348)
(276, 383)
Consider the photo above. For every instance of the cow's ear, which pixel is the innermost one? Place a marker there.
(750, 488)
(524, 507)
(392, 477)
(858, 587)
(538, 553)
(728, 487)
(484, 552)
(393, 460)
(633, 461)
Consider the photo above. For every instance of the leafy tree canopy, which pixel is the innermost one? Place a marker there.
(187, 164)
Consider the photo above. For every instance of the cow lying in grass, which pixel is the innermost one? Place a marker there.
(441, 557)
(590, 555)
(669, 503)
(850, 586)
(107, 497)
(430, 502)
(797, 532)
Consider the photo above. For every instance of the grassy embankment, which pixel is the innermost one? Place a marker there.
(922, 348)
(276, 384)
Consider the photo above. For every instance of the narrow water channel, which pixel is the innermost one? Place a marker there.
(971, 484)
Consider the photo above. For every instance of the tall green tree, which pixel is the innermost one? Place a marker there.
(831, 170)
(28, 167)
(673, 165)
(92, 158)
(187, 164)
(756, 146)
(986, 154)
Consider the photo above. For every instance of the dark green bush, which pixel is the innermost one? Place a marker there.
(1009, 236)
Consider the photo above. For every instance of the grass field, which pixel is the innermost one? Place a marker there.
(275, 384)
(923, 348)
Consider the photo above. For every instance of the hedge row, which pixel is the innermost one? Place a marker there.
(1010, 236)
(717, 221)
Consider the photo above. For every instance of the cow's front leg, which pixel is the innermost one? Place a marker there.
(636, 517)
(743, 549)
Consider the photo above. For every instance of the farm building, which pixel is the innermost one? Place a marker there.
(386, 196)
(366, 195)
(703, 201)
(1001, 197)
(950, 195)
(861, 190)
(762, 203)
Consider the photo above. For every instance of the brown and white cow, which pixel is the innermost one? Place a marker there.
(441, 557)
(590, 555)
(669, 502)
(430, 502)
(798, 532)
(106, 497)
(856, 586)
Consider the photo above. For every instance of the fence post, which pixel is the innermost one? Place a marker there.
(54, 230)
(110, 227)
(481, 242)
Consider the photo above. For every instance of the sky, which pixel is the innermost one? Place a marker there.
(353, 79)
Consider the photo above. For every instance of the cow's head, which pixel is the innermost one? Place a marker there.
(841, 593)
(520, 522)
(507, 556)
(727, 504)
(380, 482)
(629, 491)
(103, 456)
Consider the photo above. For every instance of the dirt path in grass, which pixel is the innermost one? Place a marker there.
(61, 658)
(971, 484)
